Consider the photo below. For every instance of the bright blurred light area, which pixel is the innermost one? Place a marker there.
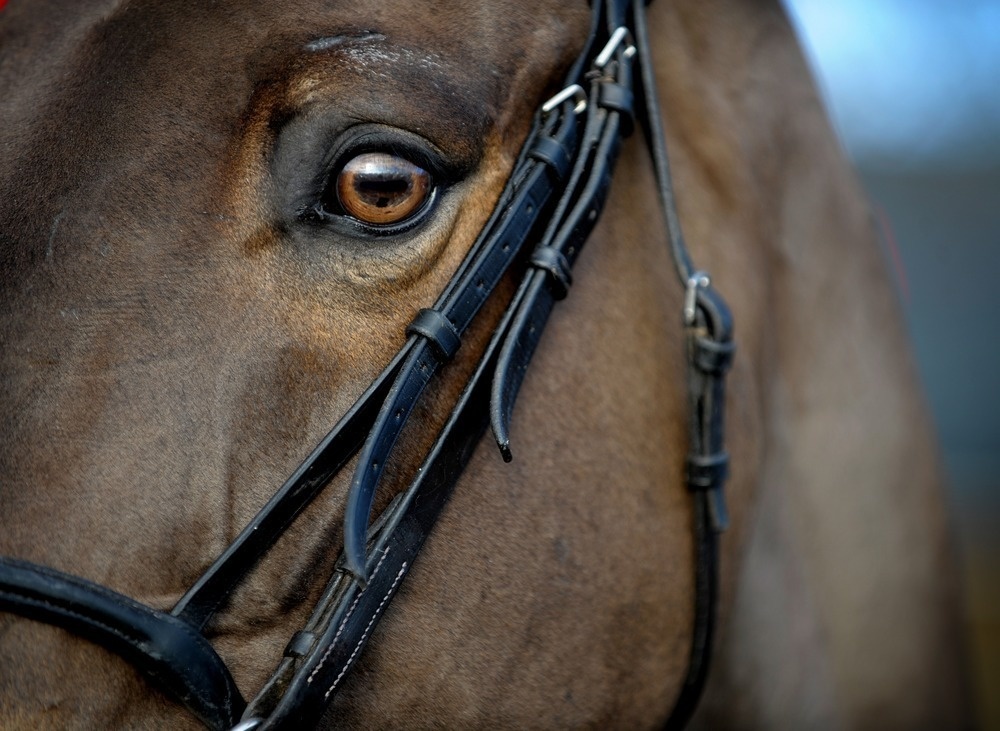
(913, 87)
(910, 83)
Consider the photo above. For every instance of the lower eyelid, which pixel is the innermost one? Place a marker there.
(353, 226)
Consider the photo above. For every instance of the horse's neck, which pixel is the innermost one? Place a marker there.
(826, 412)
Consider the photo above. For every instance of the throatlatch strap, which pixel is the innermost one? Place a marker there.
(709, 334)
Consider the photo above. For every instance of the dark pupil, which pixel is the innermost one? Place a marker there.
(383, 189)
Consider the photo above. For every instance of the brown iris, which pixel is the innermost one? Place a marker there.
(380, 188)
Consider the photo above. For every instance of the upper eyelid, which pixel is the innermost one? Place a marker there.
(395, 142)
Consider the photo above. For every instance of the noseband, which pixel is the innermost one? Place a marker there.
(543, 218)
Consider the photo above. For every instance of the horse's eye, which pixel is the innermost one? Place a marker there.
(379, 188)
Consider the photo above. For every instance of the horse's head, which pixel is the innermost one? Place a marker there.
(216, 223)
(196, 285)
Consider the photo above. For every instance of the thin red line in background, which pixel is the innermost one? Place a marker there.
(889, 237)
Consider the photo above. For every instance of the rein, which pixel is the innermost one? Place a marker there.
(550, 206)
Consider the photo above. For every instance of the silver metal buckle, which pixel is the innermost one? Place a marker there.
(573, 90)
(621, 33)
(695, 281)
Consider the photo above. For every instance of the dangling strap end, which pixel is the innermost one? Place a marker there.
(500, 425)
(505, 452)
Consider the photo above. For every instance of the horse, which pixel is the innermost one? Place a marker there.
(187, 309)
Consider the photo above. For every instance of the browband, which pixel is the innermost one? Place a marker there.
(552, 201)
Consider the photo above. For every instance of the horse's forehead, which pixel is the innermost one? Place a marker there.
(124, 40)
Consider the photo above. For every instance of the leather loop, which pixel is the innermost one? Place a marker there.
(300, 644)
(552, 261)
(551, 152)
(707, 472)
(439, 330)
(618, 98)
(712, 357)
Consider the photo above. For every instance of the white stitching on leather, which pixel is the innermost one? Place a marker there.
(399, 576)
(347, 616)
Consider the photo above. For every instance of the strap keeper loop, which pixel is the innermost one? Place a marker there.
(707, 472)
(554, 263)
(551, 152)
(439, 330)
(711, 356)
(705, 476)
(300, 644)
(620, 99)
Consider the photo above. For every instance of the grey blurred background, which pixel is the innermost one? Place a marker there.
(913, 87)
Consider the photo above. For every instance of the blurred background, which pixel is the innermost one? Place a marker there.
(913, 88)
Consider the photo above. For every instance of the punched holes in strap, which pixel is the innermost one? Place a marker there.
(620, 99)
(439, 330)
(551, 152)
(552, 261)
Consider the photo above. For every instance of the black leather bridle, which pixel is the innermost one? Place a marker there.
(549, 205)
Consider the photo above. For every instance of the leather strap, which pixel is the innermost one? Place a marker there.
(330, 643)
(709, 335)
(557, 251)
(171, 653)
(496, 249)
(327, 646)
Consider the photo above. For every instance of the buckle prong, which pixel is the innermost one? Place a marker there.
(621, 33)
(696, 281)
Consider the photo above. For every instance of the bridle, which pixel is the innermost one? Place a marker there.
(551, 201)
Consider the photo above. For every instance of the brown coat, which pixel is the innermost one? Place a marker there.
(173, 343)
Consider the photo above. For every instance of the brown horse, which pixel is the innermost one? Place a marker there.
(175, 340)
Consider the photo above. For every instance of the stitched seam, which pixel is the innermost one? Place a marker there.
(343, 622)
(395, 583)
